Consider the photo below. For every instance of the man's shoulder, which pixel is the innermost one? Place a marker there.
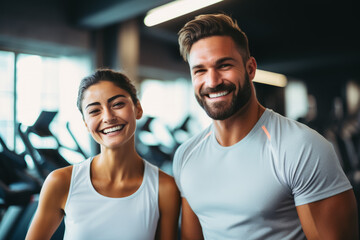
(289, 125)
(194, 141)
(185, 150)
(288, 131)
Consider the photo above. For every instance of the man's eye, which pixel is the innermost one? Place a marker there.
(199, 71)
(225, 65)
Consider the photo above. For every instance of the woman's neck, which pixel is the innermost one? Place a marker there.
(118, 163)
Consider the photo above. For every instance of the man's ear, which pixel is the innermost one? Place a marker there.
(251, 66)
(139, 110)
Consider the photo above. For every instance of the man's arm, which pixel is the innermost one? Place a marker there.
(190, 225)
(333, 218)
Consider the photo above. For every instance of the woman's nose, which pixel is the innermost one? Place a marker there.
(109, 116)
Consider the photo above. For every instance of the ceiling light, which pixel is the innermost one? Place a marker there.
(270, 78)
(175, 9)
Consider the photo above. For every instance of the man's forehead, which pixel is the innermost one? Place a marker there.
(211, 46)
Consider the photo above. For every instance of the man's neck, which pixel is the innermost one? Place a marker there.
(233, 129)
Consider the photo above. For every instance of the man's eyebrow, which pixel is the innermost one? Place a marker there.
(109, 100)
(219, 61)
(197, 66)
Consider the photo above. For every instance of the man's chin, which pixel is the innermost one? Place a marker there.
(216, 111)
(218, 114)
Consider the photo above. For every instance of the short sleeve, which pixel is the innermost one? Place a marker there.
(316, 172)
(177, 165)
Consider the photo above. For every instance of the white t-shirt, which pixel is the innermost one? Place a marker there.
(90, 215)
(250, 190)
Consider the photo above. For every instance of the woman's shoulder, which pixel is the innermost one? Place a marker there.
(59, 180)
(167, 183)
(56, 186)
(60, 174)
(169, 195)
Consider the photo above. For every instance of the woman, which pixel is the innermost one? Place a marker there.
(116, 194)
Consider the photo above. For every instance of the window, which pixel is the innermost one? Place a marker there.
(171, 102)
(32, 83)
(7, 60)
(296, 99)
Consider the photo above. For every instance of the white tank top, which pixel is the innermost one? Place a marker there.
(90, 215)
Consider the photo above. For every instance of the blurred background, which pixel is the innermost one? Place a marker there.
(308, 58)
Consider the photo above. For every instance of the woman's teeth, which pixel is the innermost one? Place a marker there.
(113, 129)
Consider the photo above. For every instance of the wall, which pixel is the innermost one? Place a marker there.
(40, 27)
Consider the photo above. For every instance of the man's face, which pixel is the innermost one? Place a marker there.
(221, 83)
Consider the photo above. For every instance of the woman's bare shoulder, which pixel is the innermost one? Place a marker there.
(57, 183)
(167, 183)
(169, 204)
(61, 175)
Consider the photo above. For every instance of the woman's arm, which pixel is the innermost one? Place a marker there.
(50, 210)
(169, 206)
(190, 225)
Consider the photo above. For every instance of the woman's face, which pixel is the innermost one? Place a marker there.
(110, 114)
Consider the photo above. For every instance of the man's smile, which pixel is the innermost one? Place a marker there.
(218, 94)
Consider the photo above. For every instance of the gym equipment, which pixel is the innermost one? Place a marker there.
(19, 192)
(18, 189)
(46, 159)
(157, 143)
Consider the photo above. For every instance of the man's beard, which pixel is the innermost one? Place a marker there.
(222, 110)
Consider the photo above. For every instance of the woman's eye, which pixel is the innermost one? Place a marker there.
(119, 104)
(93, 111)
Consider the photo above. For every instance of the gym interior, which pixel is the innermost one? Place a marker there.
(310, 48)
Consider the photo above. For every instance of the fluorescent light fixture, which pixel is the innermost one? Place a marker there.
(175, 9)
(270, 78)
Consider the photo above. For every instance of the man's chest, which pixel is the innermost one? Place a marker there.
(241, 183)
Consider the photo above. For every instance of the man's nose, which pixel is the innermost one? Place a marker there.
(213, 78)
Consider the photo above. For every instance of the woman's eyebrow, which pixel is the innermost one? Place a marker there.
(109, 100)
(114, 97)
(92, 104)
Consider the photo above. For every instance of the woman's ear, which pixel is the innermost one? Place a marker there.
(139, 110)
(85, 125)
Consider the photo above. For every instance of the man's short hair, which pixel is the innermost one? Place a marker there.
(208, 25)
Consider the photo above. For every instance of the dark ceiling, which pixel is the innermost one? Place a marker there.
(303, 39)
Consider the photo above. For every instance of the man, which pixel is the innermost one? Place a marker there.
(252, 174)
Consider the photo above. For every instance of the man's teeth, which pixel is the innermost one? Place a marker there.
(219, 94)
(113, 129)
